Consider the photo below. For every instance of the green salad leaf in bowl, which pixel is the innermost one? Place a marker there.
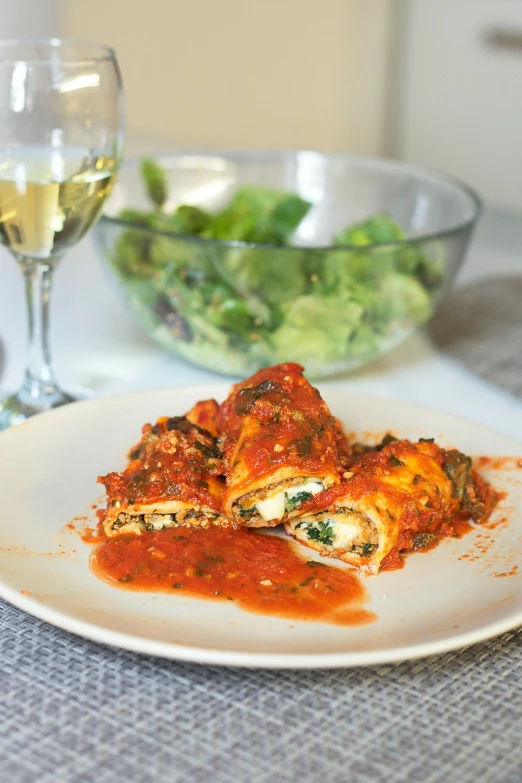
(237, 284)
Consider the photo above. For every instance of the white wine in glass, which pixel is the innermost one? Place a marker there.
(61, 141)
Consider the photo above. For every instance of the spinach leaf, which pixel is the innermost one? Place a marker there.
(321, 532)
(457, 468)
(296, 500)
(247, 397)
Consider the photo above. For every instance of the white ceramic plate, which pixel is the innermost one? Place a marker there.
(441, 600)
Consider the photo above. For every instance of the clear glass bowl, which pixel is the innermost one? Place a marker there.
(233, 307)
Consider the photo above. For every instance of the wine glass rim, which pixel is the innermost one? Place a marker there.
(100, 52)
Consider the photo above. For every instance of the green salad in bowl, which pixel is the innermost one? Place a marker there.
(238, 275)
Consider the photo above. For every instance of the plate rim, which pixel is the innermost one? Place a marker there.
(245, 659)
(249, 660)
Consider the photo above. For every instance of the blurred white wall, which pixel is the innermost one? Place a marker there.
(436, 82)
(244, 73)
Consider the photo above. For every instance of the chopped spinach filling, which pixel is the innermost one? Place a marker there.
(364, 550)
(322, 532)
(296, 500)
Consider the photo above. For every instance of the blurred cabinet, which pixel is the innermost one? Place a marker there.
(460, 107)
(30, 18)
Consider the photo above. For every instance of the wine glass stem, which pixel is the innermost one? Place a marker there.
(39, 380)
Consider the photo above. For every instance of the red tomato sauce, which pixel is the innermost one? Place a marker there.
(175, 459)
(259, 572)
(278, 406)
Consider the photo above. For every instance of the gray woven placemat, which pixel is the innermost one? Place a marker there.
(480, 326)
(72, 711)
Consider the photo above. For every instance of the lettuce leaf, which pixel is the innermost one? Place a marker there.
(316, 327)
(258, 215)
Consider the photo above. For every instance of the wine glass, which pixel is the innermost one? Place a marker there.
(61, 142)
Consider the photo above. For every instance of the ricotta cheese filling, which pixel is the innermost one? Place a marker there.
(275, 506)
(346, 530)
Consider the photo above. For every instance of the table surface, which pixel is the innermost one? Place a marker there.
(72, 710)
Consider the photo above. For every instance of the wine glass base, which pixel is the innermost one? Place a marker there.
(14, 410)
